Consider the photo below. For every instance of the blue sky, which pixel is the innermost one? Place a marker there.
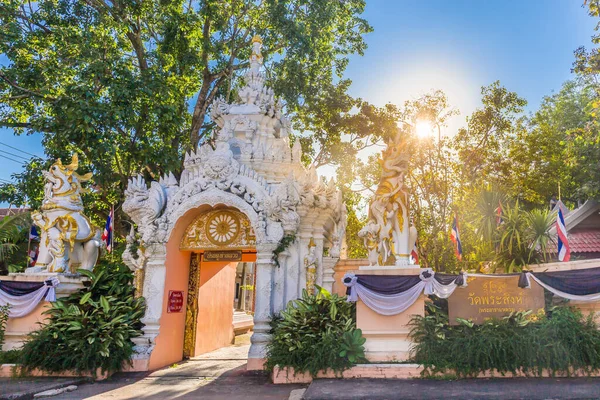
(453, 45)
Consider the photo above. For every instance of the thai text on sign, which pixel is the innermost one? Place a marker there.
(497, 297)
(223, 255)
(175, 304)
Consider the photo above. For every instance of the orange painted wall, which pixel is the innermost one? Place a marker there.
(22, 326)
(340, 270)
(215, 306)
(169, 342)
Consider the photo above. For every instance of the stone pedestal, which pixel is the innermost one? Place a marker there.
(387, 336)
(17, 329)
(328, 272)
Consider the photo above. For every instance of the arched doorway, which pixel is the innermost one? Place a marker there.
(222, 242)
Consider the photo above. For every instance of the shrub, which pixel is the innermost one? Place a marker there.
(3, 320)
(90, 329)
(10, 356)
(561, 342)
(315, 333)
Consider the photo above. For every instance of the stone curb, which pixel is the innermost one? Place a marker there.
(26, 395)
(403, 371)
(14, 371)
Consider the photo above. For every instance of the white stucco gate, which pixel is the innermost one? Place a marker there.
(252, 169)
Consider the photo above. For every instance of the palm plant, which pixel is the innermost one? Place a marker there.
(486, 221)
(524, 236)
(13, 239)
(513, 249)
(540, 222)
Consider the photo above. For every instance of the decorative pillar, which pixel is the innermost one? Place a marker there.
(305, 233)
(153, 289)
(328, 271)
(319, 238)
(279, 277)
(263, 306)
(292, 272)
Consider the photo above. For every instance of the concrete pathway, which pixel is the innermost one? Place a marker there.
(488, 389)
(218, 375)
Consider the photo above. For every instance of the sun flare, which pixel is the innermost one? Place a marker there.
(424, 129)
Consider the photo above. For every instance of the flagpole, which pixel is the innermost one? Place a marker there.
(558, 190)
(29, 248)
(112, 229)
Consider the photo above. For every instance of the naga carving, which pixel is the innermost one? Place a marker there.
(386, 233)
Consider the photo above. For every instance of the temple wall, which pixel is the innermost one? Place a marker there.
(17, 329)
(169, 342)
(341, 268)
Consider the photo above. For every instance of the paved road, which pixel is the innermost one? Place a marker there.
(488, 389)
(218, 375)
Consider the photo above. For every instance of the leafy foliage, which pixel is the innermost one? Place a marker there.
(315, 333)
(14, 230)
(128, 84)
(90, 329)
(10, 356)
(3, 320)
(352, 346)
(283, 244)
(561, 342)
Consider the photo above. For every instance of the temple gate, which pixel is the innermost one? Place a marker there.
(251, 181)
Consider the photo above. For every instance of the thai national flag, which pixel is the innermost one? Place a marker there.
(414, 253)
(33, 255)
(455, 237)
(33, 233)
(564, 251)
(499, 214)
(108, 230)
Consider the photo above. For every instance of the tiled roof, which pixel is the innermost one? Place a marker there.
(9, 211)
(584, 242)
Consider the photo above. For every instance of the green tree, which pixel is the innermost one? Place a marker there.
(482, 147)
(14, 230)
(584, 143)
(557, 146)
(127, 84)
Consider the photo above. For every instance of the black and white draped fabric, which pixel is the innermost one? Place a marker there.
(394, 294)
(23, 297)
(391, 294)
(577, 284)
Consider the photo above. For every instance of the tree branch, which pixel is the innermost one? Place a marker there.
(31, 92)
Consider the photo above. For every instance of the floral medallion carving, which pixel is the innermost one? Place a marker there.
(220, 229)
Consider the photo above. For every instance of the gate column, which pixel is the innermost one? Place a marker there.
(263, 306)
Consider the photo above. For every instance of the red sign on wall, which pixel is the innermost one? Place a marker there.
(175, 304)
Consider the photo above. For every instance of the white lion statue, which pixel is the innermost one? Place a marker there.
(68, 240)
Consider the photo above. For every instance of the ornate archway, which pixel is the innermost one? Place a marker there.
(265, 180)
(228, 236)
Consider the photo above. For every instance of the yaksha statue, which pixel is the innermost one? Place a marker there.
(68, 240)
(386, 234)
